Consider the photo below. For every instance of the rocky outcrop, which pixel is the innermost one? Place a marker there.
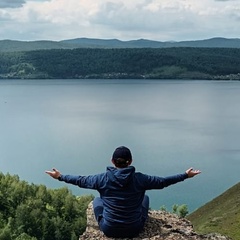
(160, 225)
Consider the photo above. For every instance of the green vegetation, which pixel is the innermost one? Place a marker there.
(180, 210)
(221, 215)
(31, 212)
(146, 63)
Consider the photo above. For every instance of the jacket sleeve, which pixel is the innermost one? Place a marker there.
(90, 182)
(155, 182)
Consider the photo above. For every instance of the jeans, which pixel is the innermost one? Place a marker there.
(120, 232)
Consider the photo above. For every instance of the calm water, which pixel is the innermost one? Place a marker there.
(169, 126)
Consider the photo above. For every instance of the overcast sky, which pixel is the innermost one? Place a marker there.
(162, 20)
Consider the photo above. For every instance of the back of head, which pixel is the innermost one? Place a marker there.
(122, 157)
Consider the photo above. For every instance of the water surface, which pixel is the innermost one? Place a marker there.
(74, 125)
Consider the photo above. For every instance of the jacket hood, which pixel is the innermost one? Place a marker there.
(120, 176)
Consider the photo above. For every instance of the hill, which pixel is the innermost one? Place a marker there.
(125, 63)
(12, 45)
(145, 43)
(30, 212)
(222, 214)
(17, 46)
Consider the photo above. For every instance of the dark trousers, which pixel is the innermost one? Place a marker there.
(120, 232)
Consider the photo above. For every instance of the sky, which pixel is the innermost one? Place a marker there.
(161, 20)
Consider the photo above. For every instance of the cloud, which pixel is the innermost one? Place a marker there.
(15, 3)
(11, 3)
(161, 19)
(152, 19)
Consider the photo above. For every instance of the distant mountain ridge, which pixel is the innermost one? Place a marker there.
(13, 45)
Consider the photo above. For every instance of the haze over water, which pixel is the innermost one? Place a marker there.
(75, 125)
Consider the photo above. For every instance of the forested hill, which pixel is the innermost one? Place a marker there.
(146, 63)
(33, 212)
(13, 45)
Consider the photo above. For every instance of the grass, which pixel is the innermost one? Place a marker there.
(221, 215)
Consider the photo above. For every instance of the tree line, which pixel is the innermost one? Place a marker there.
(33, 212)
(148, 63)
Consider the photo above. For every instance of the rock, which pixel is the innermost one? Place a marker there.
(160, 225)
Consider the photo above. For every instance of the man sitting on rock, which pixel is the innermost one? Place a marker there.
(122, 208)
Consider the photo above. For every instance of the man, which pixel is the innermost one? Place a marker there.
(122, 208)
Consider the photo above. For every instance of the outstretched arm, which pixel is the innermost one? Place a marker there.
(90, 182)
(54, 173)
(191, 173)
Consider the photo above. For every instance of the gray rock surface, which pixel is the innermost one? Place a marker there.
(160, 225)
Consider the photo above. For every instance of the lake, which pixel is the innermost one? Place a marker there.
(169, 125)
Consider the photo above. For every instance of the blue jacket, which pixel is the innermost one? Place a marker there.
(122, 191)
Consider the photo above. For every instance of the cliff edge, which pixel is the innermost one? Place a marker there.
(160, 225)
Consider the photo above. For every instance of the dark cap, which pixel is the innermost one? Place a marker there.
(122, 152)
